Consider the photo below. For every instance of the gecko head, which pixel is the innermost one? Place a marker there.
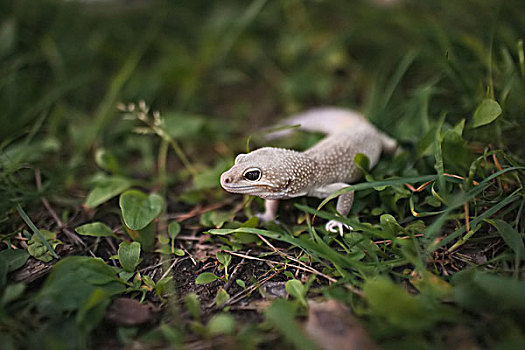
(269, 173)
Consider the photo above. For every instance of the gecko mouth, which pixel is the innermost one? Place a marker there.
(247, 189)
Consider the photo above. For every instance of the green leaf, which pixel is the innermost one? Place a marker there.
(281, 315)
(10, 260)
(106, 160)
(215, 218)
(11, 293)
(180, 125)
(139, 209)
(251, 222)
(390, 224)
(224, 258)
(487, 111)
(221, 324)
(296, 289)
(362, 162)
(206, 277)
(456, 154)
(105, 189)
(36, 231)
(240, 283)
(173, 229)
(163, 240)
(95, 229)
(14, 258)
(38, 250)
(511, 237)
(145, 236)
(92, 311)
(209, 178)
(162, 285)
(125, 275)
(222, 297)
(79, 276)
(400, 309)
(129, 255)
(148, 281)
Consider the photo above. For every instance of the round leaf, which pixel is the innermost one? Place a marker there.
(222, 297)
(487, 111)
(362, 162)
(13, 258)
(221, 324)
(129, 255)
(95, 229)
(295, 288)
(106, 160)
(224, 258)
(139, 209)
(173, 229)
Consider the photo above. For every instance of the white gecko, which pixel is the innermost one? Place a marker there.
(276, 173)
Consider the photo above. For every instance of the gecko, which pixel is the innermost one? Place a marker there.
(328, 166)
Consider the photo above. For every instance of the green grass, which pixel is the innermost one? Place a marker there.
(436, 257)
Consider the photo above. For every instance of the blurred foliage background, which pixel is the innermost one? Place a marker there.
(219, 71)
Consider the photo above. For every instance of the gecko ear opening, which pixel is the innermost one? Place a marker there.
(239, 157)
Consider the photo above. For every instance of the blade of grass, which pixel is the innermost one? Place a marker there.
(486, 214)
(512, 238)
(319, 250)
(208, 59)
(521, 55)
(401, 70)
(372, 184)
(29, 223)
(106, 108)
(460, 199)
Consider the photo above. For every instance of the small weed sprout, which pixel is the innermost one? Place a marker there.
(155, 125)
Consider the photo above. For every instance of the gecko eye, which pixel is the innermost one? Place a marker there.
(252, 174)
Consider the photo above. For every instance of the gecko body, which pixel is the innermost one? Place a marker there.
(276, 173)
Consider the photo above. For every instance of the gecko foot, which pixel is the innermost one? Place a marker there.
(336, 226)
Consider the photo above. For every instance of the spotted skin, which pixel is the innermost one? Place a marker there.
(319, 171)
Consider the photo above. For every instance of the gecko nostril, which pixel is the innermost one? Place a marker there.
(227, 180)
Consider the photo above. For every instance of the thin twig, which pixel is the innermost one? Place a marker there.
(239, 296)
(420, 188)
(306, 269)
(467, 218)
(198, 210)
(347, 286)
(61, 226)
(177, 260)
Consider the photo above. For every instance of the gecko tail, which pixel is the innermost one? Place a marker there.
(327, 120)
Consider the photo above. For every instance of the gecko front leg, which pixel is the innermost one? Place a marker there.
(270, 210)
(344, 204)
